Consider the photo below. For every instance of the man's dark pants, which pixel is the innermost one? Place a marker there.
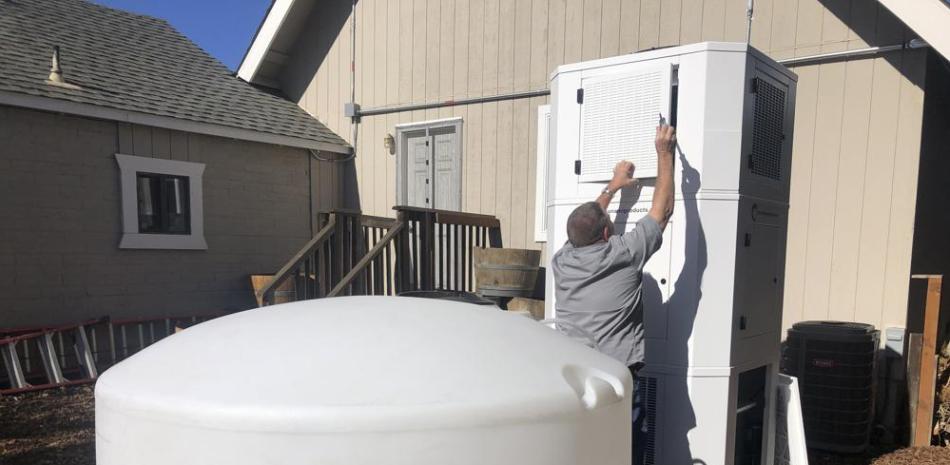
(639, 413)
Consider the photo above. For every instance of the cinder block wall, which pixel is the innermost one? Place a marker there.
(60, 220)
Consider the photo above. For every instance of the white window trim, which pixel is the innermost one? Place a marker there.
(129, 166)
(541, 168)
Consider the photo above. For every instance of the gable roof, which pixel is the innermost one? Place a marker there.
(137, 68)
(267, 53)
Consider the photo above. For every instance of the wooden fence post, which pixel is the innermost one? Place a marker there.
(923, 416)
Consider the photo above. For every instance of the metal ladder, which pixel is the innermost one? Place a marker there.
(80, 350)
(52, 360)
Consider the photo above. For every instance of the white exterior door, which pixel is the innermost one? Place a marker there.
(430, 159)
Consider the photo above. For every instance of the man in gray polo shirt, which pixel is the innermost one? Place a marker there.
(598, 274)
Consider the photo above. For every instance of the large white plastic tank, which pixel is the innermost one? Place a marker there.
(365, 380)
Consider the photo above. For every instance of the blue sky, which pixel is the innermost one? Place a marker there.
(223, 28)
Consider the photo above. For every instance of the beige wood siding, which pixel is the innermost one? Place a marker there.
(857, 129)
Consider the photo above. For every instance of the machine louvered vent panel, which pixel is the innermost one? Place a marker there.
(768, 121)
(618, 120)
(648, 389)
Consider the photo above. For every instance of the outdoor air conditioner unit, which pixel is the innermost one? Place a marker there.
(713, 293)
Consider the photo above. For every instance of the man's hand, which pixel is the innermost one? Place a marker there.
(665, 141)
(623, 176)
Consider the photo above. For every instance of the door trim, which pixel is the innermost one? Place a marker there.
(402, 187)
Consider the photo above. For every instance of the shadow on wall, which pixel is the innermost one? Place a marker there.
(323, 24)
(680, 310)
(877, 26)
(932, 222)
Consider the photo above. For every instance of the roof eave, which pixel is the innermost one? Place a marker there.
(929, 19)
(112, 114)
(266, 33)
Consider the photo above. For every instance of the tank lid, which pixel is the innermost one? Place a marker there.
(363, 364)
(843, 328)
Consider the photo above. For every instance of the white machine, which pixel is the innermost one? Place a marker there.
(713, 293)
(365, 381)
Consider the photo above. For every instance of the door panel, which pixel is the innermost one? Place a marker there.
(448, 172)
(418, 167)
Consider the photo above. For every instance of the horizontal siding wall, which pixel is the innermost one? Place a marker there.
(857, 128)
(60, 260)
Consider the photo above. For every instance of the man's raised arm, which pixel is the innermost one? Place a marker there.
(662, 207)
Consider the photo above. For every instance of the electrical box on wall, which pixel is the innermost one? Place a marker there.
(712, 294)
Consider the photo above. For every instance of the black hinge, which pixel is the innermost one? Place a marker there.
(754, 85)
(580, 95)
(427, 181)
(748, 239)
(427, 143)
(577, 167)
(751, 162)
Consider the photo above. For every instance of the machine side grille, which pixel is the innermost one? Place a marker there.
(768, 120)
(647, 386)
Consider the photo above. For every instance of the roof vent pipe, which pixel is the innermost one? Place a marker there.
(55, 72)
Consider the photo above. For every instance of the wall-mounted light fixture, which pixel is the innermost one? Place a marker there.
(390, 143)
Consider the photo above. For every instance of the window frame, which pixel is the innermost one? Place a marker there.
(163, 216)
(129, 168)
(542, 157)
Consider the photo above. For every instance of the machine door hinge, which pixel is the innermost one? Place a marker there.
(754, 86)
(580, 95)
(748, 240)
(577, 167)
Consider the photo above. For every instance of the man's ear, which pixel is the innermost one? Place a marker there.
(606, 233)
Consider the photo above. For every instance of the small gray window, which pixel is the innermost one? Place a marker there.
(162, 206)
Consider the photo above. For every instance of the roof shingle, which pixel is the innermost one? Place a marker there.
(138, 63)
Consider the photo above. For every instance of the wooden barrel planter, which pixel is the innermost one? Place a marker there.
(503, 272)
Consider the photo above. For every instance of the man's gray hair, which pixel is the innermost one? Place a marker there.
(586, 224)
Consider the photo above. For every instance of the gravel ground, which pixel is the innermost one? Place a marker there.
(916, 456)
(55, 426)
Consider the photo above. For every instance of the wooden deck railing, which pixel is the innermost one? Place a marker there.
(355, 254)
(438, 248)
